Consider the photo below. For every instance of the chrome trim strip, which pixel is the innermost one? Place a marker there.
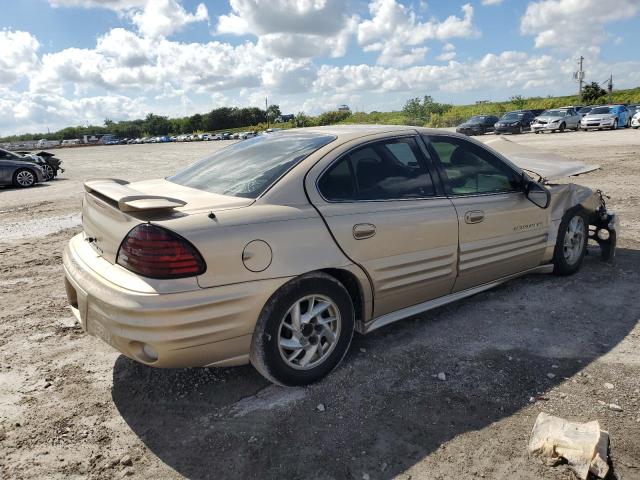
(452, 297)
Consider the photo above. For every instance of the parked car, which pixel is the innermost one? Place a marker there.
(633, 108)
(19, 173)
(274, 250)
(48, 162)
(556, 119)
(514, 122)
(611, 117)
(635, 121)
(478, 125)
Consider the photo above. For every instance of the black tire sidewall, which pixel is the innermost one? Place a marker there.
(265, 355)
(561, 267)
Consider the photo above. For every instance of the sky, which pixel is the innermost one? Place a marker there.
(74, 62)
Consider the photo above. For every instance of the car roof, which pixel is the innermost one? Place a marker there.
(353, 131)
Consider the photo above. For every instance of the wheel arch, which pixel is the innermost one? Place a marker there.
(355, 289)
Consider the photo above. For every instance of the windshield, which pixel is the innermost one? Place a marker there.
(476, 119)
(600, 110)
(554, 113)
(248, 168)
(512, 116)
(585, 110)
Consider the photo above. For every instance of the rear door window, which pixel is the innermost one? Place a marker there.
(384, 170)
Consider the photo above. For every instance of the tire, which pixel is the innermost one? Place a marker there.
(562, 127)
(615, 125)
(571, 247)
(537, 132)
(24, 178)
(290, 357)
(49, 172)
(521, 130)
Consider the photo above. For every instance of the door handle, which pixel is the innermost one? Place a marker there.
(363, 230)
(474, 216)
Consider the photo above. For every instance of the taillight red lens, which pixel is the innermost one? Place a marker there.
(155, 252)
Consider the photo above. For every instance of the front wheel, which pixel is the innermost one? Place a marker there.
(562, 127)
(24, 178)
(303, 331)
(571, 244)
(615, 125)
(49, 172)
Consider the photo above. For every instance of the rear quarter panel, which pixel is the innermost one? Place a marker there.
(296, 236)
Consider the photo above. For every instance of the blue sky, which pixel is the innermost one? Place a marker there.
(79, 61)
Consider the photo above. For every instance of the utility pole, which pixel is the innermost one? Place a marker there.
(579, 76)
(266, 110)
(610, 88)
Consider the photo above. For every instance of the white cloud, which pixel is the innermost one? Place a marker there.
(292, 28)
(572, 25)
(395, 31)
(491, 2)
(448, 53)
(19, 55)
(153, 18)
(162, 18)
(509, 72)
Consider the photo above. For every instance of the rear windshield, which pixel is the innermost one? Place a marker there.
(248, 168)
(600, 110)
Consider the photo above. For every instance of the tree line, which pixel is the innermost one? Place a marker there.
(222, 118)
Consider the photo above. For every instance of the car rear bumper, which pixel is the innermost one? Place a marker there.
(203, 327)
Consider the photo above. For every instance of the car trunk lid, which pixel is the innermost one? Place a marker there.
(112, 207)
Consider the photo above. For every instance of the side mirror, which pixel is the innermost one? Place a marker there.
(537, 194)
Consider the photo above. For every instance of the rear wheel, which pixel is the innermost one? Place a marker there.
(24, 178)
(571, 244)
(304, 330)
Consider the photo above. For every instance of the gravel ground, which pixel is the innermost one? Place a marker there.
(71, 407)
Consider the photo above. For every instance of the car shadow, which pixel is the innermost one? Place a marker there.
(384, 409)
(8, 188)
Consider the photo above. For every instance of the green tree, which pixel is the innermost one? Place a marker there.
(518, 101)
(273, 111)
(592, 92)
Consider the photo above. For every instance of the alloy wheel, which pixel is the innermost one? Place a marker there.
(25, 178)
(48, 172)
(309, 332)
(574, 240)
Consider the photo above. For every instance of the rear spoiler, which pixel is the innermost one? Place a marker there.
(128, 199)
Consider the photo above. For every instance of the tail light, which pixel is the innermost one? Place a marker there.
(156, 252)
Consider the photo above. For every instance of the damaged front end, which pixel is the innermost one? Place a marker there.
(603, 224)
(604, 228)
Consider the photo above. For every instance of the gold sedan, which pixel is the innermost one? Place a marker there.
(276, 249)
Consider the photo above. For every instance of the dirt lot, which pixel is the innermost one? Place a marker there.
(71, 407)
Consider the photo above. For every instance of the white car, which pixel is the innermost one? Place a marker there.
(635, 121)
(556, 119)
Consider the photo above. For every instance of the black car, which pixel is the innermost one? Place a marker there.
(477, 125)
(515, 122)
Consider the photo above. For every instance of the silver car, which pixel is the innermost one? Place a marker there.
(557, 119)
